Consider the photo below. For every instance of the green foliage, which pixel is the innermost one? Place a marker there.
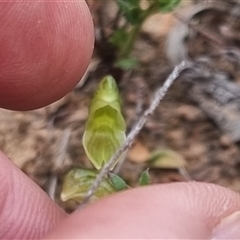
(165, 158)
(118, 37)
(105, 127)
(166, 5)
(131, 10)
(118, 182)
(127, 63)
(144, 178)
(77, 182)
(124, 37)
(134, 14)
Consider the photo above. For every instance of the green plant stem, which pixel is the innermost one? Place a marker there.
(127, 48)
(134, 32)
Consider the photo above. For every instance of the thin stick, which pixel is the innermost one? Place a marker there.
(139, 125)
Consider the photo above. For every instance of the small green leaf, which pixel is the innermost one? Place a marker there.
(127, 63)
(131, 10)
(144, 178)
(77, 182)
(118, 182)
(167, 5)
(105, 127)
(118, 37)
(167, 159)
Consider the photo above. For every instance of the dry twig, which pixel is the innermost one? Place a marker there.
(135, 131)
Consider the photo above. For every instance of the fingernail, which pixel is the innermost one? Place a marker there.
(228, 228)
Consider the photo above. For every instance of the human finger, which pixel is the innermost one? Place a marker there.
(26, 212)
(168, 211)
(45, 47)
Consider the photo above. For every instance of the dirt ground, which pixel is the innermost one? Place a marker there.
(45, 143)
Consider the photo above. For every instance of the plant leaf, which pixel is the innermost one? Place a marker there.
(138, 153)
(167, 5)
(127, 63)
(118, 37)
(166, 158)
(77, 182)
(105, 127)
(144, 178)
(131, 10)
(118, 182)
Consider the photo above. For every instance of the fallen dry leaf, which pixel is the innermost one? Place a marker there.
(167, 159)
(138, 153)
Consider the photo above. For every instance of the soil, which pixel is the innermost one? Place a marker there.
(46, 142)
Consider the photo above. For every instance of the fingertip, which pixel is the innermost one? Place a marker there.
(46, 47)
(26, 211)
(168, 211)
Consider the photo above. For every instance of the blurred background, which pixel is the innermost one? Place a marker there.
(195, 130)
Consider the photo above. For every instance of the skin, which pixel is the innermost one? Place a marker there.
(45, 49)
(172, 211)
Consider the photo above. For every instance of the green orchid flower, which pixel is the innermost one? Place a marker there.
(105, 127)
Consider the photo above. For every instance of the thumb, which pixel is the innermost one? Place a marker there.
(26, 212)
(168, 211)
